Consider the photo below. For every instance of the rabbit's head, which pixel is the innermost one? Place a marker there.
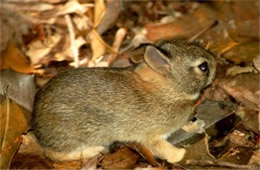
(188, 67)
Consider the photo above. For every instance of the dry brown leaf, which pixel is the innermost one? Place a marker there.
(27, 161)
(30, 145)
(21, 87)
(97, 46)
(13, 124)
(256, 62)
(184, 27)
(91, 163)
(111, 14)
(244, 88)
(123, 158)
(38, 49)
(99, 11)
(241, 52)
(13, 58)
(73, 6)
(67, 165)
(254, 160)
(14, 25)
(235, 70)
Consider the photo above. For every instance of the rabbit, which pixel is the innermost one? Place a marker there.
(82, 111)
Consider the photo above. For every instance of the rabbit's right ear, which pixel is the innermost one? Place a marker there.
(137, 55)
(157, 60)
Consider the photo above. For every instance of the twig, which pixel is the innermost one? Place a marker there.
(72, 40)
(7, 119)
(206, 139)
(220, 164)
(120, 35)
(203, 31)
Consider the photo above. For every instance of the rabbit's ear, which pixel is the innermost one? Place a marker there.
(157, 60)
(137, 55)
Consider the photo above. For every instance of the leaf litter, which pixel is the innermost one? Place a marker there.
(44, 38)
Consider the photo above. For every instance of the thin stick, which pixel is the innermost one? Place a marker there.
(206, 138)
(219, 164)
(72, 40)
(120, 35)
(203, 31)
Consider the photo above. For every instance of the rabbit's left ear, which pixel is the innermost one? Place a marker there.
(157, 60)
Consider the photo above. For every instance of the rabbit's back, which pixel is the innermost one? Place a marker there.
(88, 106)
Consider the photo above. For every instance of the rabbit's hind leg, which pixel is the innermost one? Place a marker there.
(81, 153)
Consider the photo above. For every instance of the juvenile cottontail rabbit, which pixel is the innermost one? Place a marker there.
(80, 112)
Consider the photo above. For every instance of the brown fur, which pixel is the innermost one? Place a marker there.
(81, 110)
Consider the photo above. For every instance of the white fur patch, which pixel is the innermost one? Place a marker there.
(195, 96)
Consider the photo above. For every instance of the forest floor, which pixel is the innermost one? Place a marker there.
(41, 38)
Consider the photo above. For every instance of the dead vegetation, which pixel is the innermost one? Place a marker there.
(43, 38)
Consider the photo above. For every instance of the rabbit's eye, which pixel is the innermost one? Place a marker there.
(204, 67)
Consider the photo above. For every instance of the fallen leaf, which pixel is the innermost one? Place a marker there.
(243, 52)
(254, 160)
(91, 163)
(244, 88)
(235, 70)
(124, 158)
(67, 165)
(184, 27)
(27, 161)
(97, 44)
(73, 6)
(256, 62)
(30, 145)
(21, 87)
(240, 23)
(249, 118)
(13, 124)
(110, 16)
(13, 58)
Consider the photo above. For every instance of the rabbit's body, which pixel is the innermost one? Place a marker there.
(84, 109)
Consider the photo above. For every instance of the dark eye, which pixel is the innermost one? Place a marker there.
(204, 67)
